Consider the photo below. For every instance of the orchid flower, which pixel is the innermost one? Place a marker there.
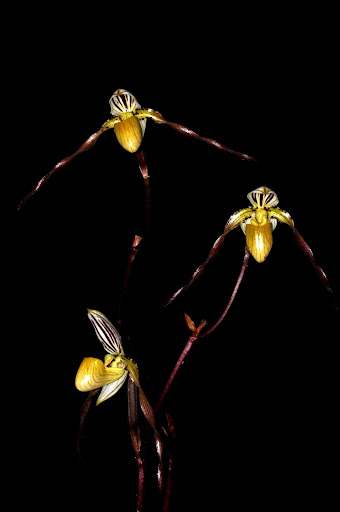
(258, 222)
(129, 122)
(110, 376)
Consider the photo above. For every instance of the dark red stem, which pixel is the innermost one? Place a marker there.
(233, 295)
(180, 360)
(135, 438)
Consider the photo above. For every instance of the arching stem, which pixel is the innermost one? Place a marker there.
(233, 295)
(196, 332)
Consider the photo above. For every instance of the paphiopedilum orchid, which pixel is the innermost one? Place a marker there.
(109, 376)
(129, 122)
(257, 222)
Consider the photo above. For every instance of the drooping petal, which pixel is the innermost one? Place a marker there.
(184, 130)
(89, 143)
(235, 220)
(106, 332)
(302, 244)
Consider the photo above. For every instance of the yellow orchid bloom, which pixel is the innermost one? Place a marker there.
(129, 122)
(258, 222)
(111, 374)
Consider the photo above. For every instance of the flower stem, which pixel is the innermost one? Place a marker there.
(180, 360)
(135, 438)
(233, 295)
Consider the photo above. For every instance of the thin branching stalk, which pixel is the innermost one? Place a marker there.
(196, 332)
(233, 295)
(192, 338)
(302, 244)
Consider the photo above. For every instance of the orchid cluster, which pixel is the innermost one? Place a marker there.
(257, 221)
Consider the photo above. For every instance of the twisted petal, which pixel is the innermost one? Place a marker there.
(89, 143)
(235, 220)
(106, 332)
(158, 118)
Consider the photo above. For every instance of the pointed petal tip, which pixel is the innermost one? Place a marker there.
(93, 312)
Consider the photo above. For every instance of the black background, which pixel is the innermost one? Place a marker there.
(254, 404)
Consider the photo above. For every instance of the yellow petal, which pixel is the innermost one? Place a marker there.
(259, 240)
(92, 374)
(129, 134)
